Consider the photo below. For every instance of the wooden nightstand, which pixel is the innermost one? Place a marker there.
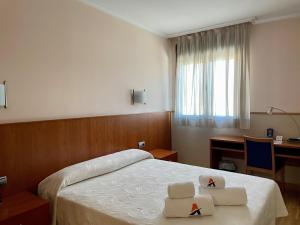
(24, 208)
(164, 154)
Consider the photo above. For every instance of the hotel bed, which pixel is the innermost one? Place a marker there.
(129, 187)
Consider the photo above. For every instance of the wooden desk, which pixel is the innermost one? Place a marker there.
(233, 147)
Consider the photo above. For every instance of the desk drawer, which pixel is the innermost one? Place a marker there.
(288, 152)
(227, 145)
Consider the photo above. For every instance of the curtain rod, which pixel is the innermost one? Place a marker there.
(231, 23)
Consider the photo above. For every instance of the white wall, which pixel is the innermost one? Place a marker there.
(275, 79)
(62, 58)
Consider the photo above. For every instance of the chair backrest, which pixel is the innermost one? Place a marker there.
(259, 153)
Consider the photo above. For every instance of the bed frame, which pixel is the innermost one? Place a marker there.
(30, 151)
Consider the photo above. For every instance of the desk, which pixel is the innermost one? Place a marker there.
(233, 147)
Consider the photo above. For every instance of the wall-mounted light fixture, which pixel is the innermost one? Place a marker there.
(3, 182)
(3, 97)
(270, 112)
(138, 96)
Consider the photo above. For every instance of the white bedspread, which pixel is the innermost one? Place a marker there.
(135, 195)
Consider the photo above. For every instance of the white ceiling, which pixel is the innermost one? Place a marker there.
(176, 17)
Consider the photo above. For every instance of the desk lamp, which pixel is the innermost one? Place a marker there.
(292, 139)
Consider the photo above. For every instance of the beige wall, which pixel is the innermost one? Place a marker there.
(275, 78)
(275, 65)
(62, 58)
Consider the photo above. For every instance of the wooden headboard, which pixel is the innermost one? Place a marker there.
(31, 151)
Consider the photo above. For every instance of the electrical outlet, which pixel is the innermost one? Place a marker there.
(3, 181)
(141, 144)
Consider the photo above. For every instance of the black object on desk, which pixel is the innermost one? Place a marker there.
(270, 132)
(294, 140)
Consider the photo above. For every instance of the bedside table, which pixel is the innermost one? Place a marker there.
(24, 208)
(164, 154)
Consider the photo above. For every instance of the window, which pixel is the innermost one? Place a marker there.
(212, 78)
(223, 90)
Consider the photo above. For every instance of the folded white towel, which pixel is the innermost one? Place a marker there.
(227, 196)
(181, 190)
(200, 205)
(212, 181)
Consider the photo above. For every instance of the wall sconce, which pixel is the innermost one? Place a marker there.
(270, 112)
(3, 97)
(138, 96)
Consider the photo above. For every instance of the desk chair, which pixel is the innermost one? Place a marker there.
(260, 157)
